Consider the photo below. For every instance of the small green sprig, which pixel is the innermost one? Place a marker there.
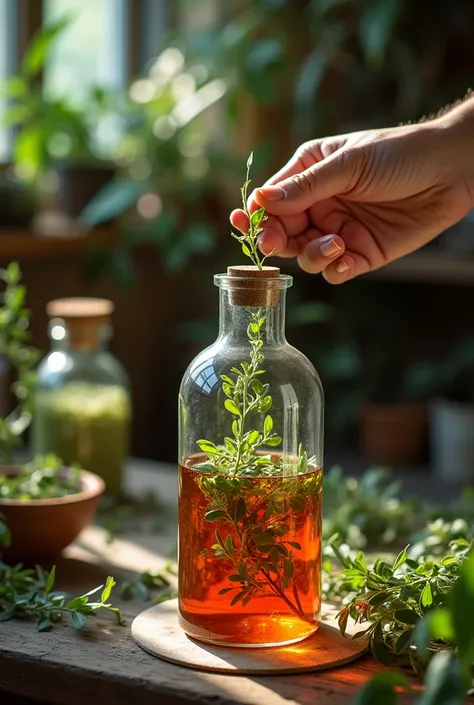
(249, 240)
(147, 582)
(28, 593)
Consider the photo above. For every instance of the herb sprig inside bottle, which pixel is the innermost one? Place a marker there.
(256, 521)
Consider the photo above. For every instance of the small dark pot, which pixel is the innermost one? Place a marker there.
(394, 433)
(78, 185)
(17, 203)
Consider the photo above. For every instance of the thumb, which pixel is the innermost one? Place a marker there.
(330, 177)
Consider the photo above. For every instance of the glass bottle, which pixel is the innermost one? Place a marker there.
(82, 403)
(250, 475)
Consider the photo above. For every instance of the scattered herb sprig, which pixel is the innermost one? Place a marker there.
(391, 598)
(249, 240)
(444, 640)
(28, 593)
(147, 582)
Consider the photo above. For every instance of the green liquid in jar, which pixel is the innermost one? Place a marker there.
(85, 423)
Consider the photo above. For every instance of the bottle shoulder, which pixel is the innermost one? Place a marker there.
(101, 367)
(282, 363)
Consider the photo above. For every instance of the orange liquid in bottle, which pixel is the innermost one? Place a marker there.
(273, 543)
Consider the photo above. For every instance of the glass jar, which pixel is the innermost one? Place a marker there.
(250, 475)
(82, 404)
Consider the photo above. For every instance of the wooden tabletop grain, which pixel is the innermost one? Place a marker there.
(102, 664)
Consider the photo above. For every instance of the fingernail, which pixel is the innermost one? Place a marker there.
(341, 267)
(330, 248)
(273, 193)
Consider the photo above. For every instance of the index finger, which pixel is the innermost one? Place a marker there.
(293, 166)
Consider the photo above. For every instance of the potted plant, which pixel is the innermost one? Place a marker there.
(169, 190)
(452, 415)
(56, 133)
(17, 201)
(44, 504)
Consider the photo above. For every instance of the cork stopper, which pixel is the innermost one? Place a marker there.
(253, 286)
(83, 318)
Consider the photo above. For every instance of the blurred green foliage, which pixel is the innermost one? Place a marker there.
(51, 130)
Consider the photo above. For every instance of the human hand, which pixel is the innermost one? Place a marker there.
(349, 204)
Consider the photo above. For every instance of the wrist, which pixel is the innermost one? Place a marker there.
(455, 137)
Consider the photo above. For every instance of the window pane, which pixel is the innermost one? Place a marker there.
(90, 52)
(6, 32)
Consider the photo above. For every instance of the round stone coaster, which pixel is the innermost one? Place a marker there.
(157, 631)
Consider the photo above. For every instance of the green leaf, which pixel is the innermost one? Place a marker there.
(407, 616)
(404, 641)
(426, 599)
(264, 539)
(380, 651)
(109, 584)
(294, 544)
(444, 684)
(342, 618)
(235, 578)
(114, 199)
(256, 386)
(441, 624)
(207, 447)
(246, 251)
(400, 559)
(214, 515)
(265, 404)
(282, 549)
(377, 27)
(257, 217)
(241, 510)
(142, 590)
(77, 602)
(273, 441)
(461, 602)
(235, 428)
(380, 689)
(164, 597)
(237, 597)
(268, 425)
(79, 620)
(229, 545)
(50, 580)
(232, 407)
(225, 590)
(40, 46)
(43, 623)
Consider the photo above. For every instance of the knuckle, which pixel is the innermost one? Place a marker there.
(305, 181)
(305, 149)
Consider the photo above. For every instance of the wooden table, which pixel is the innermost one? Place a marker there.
(102, 664)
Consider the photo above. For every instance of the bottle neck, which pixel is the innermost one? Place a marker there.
(78, 337)
(234, 320)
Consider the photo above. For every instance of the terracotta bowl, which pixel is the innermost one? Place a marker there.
(41, 528)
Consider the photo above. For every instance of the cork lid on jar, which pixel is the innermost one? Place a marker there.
(250, 286)
(82, 316)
